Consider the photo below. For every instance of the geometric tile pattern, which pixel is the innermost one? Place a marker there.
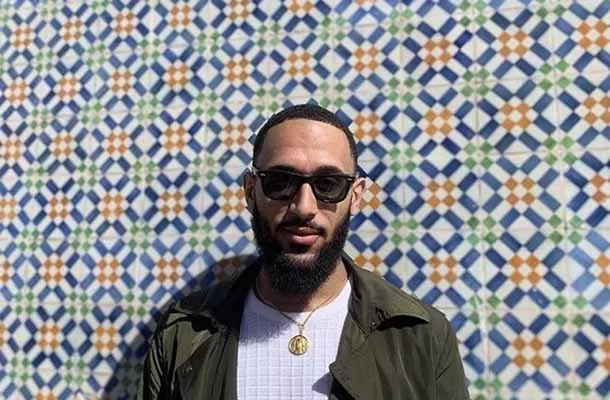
(521, 191)
(529, 350)
(587, 180)
(482, 130)
(516, 117)
(525, 270)
(589, 260)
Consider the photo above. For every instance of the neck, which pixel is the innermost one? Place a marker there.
(291, 303)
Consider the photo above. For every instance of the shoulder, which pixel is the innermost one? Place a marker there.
(215, 302)
(188, 322)
(203, 302)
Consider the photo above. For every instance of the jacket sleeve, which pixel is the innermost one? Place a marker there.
(450, 378)
(155, 380)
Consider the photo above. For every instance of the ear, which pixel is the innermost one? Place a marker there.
(358, 189)
(249, 185)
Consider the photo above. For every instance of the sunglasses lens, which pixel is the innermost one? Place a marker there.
(331, 189)
(280, 185)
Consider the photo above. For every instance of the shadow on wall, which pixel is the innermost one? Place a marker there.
(123, 383)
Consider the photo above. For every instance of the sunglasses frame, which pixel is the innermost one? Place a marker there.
(309, 180)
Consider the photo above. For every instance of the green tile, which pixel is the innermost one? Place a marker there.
(147, 109)
(150, 50)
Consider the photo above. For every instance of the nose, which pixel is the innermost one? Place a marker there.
(304, 203)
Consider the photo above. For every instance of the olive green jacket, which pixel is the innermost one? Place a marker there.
(392, 346)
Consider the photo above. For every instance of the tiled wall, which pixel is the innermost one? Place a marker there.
(483, 127)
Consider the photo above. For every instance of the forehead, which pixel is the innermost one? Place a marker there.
(306, 145)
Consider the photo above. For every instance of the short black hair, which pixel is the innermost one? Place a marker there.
(311, 112)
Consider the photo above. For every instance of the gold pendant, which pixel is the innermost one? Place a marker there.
(298, 345)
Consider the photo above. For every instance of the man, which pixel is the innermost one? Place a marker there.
(303, 322)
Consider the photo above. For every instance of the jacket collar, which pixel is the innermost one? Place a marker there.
(372, 303)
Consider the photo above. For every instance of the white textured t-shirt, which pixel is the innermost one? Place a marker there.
(266, 370)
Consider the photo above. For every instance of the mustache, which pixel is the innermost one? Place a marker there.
(299, 223)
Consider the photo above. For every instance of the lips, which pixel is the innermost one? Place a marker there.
(302, 236)
(302, 230)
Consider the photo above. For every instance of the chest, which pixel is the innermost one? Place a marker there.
(266, 369)
(380, 366)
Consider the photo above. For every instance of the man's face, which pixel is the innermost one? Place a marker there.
(302, 237)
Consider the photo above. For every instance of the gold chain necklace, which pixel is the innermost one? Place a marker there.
(299, 344)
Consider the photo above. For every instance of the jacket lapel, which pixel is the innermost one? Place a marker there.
(211, 370)
(209, 373)
(355, 370)
(352, 368)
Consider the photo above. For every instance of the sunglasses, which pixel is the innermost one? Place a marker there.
(283, 185)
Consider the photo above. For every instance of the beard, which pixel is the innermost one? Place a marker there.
(292, 276)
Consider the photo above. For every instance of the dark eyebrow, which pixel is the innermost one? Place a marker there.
(323, 170)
